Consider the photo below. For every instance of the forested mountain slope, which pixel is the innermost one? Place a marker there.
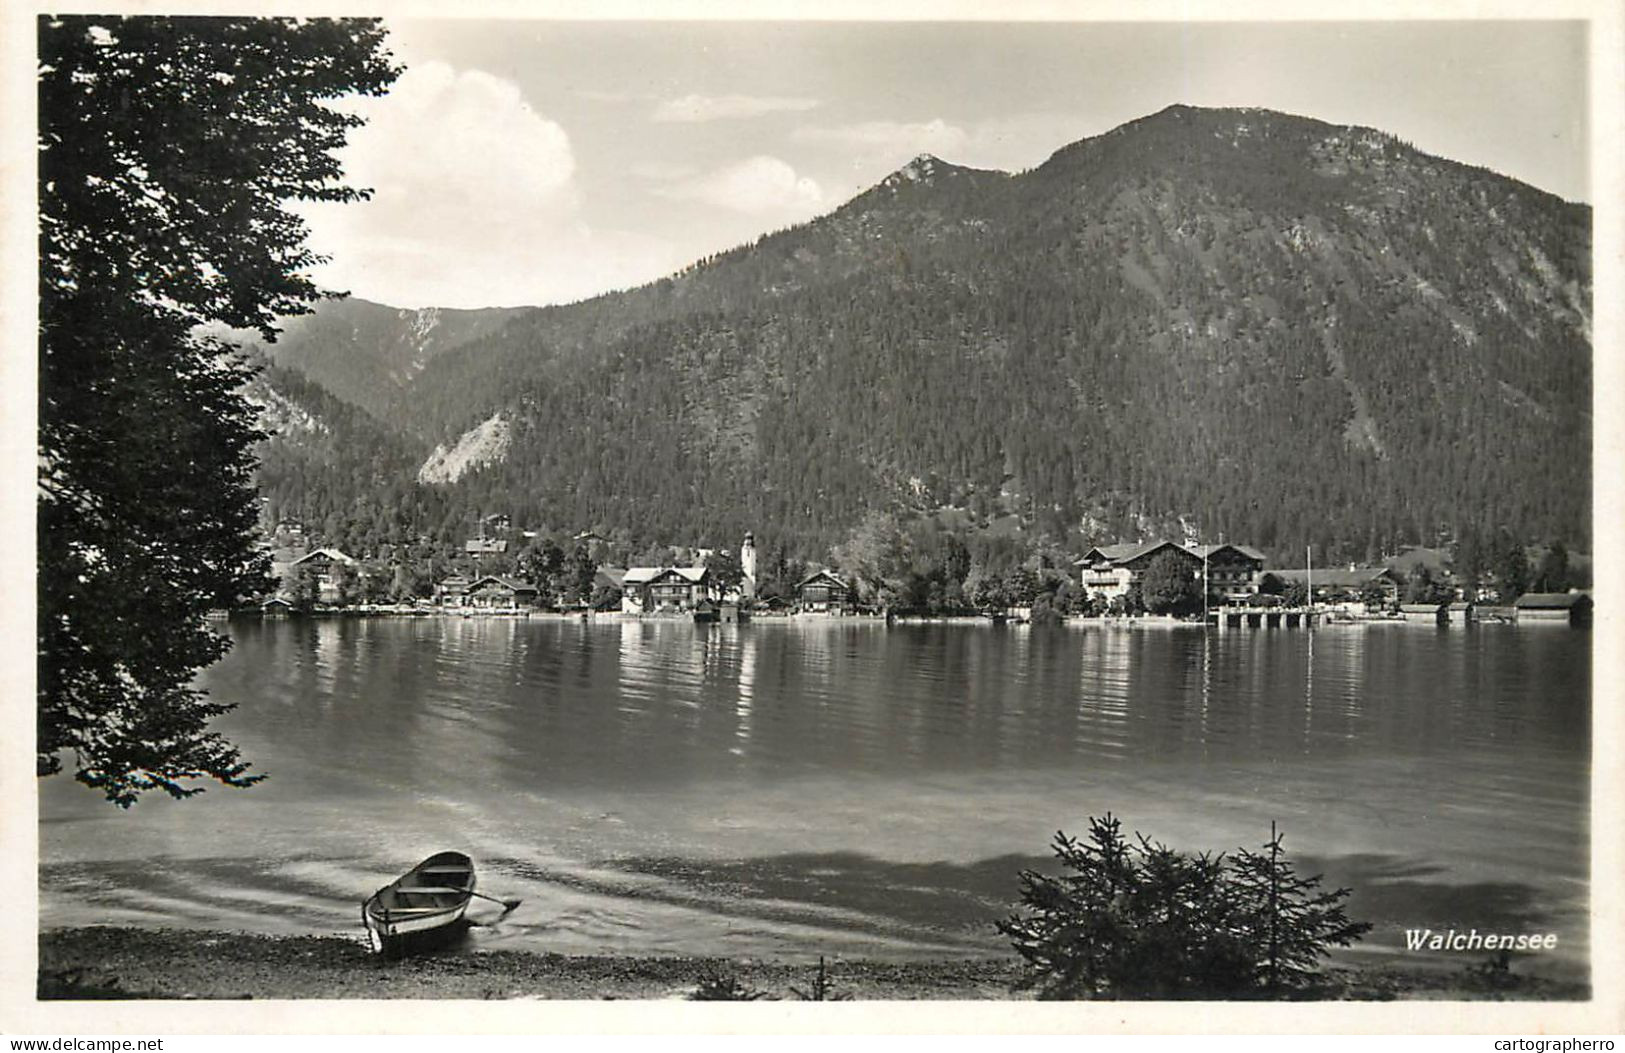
(1244, 322)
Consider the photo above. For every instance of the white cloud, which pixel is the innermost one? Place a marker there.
(899, 139)
(755, 185)
(475, 203)
(694, 108)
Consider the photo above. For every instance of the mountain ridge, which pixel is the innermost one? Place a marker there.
(1118, 336)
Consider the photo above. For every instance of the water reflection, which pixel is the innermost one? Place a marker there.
(559, 751)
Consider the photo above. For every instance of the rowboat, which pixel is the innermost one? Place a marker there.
(422, 908)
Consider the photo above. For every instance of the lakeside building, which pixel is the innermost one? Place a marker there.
(451, 591)
(1428, 613)
(496, 590)
(1334, 584)
(1232, 570)
(645, 590)
(1567, 608)
(824, 593)
(1109, 571)
(330, 567)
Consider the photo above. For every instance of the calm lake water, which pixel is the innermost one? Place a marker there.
(784, 790)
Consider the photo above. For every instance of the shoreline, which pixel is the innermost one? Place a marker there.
(96, 963)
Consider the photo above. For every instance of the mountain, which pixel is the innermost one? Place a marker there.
(1239, 321)
(384, 349)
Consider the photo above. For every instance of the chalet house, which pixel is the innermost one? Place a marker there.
(495, 590)
(609, 577)
(1566, 608)
(1232, 570)
(824, 593)
(485, 546)
(452, 591)
(1333, 584)
(1109, 571)
(329, 565)
(645, 590)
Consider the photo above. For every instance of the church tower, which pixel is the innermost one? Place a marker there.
(747, 563)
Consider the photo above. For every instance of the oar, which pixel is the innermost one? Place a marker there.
(507, 904)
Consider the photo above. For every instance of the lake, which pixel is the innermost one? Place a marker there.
(787, 789)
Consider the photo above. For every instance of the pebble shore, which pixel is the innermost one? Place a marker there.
(102, 962)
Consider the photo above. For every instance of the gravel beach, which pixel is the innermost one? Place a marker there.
(107, 963)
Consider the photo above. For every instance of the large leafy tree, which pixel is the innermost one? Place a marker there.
(1168, 587)
(169, 149)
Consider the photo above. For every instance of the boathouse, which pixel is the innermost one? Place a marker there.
(1569, 608)
(1426, 613)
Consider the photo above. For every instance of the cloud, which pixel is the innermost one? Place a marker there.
(475, 203)
(899, 139)
(755, 185)
(694, 108)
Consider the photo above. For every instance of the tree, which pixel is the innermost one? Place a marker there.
(1167, 586)
(1420, 587)
(167, 150)
(1553, 573)
(1140, 920)
(581, 575)
(725, 572)
(1512, 570)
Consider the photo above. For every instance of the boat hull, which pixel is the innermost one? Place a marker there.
(422, 909)
(399, 939)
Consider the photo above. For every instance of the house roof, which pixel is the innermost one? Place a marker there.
(820, 575)
(504, 581)
(1436, 560)
(485, 544)
(1126, 551)
(1423, 608)
(331, 553)
(616, 576)
(1338, 577)
(1209, 550)
(1551, 600)
(645, 575)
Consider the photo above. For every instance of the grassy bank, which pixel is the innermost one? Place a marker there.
(104, 963)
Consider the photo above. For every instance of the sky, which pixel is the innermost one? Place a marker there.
(544, 161)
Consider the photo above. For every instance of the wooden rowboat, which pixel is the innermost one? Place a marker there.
(422, 908)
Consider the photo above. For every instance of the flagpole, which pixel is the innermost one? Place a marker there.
(1309, 581)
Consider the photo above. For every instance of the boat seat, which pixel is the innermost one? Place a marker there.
(445, 870)
(431, 889)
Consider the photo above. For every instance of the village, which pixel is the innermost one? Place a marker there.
(1227, 585)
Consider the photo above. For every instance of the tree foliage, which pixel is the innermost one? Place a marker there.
(1167, 586)
(168, 150)
(1140, 920)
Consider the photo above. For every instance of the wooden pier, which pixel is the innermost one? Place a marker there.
(1267, 617)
